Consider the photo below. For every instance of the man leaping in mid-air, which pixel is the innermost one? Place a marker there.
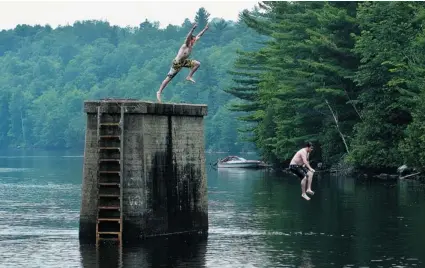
(300, 166)
(182, 60)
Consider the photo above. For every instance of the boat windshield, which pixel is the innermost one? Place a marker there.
(233, 158)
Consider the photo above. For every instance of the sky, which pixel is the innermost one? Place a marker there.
(121, 13)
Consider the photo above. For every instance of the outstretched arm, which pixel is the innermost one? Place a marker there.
(189, 35)
(202, 32)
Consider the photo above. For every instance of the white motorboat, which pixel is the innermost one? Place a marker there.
(238, 162)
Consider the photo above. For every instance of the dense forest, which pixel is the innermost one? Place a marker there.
(46, 74)
(348, 76)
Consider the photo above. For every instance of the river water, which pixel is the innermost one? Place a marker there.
(257, 219)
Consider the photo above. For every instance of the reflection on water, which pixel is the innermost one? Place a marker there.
(238, 173)
(256, 220)
(170, 252)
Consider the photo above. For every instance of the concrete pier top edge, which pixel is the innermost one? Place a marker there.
(145, 107)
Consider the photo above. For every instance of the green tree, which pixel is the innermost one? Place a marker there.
(388, 30)
(46, 74)
(303, 90)
(202, 17)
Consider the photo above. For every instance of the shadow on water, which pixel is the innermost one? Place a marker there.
(179, 251)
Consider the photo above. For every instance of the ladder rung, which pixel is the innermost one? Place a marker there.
(109, 219)
(108, 238)
(109, 137)
(109, 172)
(109, 160)
(109, 184)
(113, 233)
(109, 124)
(109, 207)
(109, 148)
(109, 195)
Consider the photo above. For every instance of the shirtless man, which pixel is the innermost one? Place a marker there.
(182, 60)
(299, 165)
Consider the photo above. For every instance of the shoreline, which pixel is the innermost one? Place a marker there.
(365, 175)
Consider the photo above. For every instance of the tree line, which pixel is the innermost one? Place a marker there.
(348, 76)
(46, 74)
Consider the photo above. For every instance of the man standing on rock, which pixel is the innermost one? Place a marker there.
(301, 167)
(182, 60)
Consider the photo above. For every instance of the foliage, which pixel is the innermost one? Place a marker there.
(346, 75)
(46, 74)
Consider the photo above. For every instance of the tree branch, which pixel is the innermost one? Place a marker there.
(407, 176)
(352, 104)
(337, 126)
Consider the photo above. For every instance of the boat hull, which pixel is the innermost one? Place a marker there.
(239, 165)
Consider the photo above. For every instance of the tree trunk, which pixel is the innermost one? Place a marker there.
(337, 126)
(352, 104)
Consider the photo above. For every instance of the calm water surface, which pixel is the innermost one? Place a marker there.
(256, 220)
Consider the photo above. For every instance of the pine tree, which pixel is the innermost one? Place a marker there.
(385, 74)
(304, 89)
(247, 76)
(202, 17)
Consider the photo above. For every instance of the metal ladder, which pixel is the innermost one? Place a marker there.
(110, 129)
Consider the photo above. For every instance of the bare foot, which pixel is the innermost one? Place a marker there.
(158, 96)
(310, 192)
(190, 79)
(305, 197)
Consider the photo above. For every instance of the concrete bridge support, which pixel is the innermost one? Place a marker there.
(144, 171)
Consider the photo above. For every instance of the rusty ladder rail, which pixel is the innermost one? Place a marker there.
(109, 220)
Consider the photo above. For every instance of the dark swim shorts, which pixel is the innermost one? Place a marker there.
(300, 171)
